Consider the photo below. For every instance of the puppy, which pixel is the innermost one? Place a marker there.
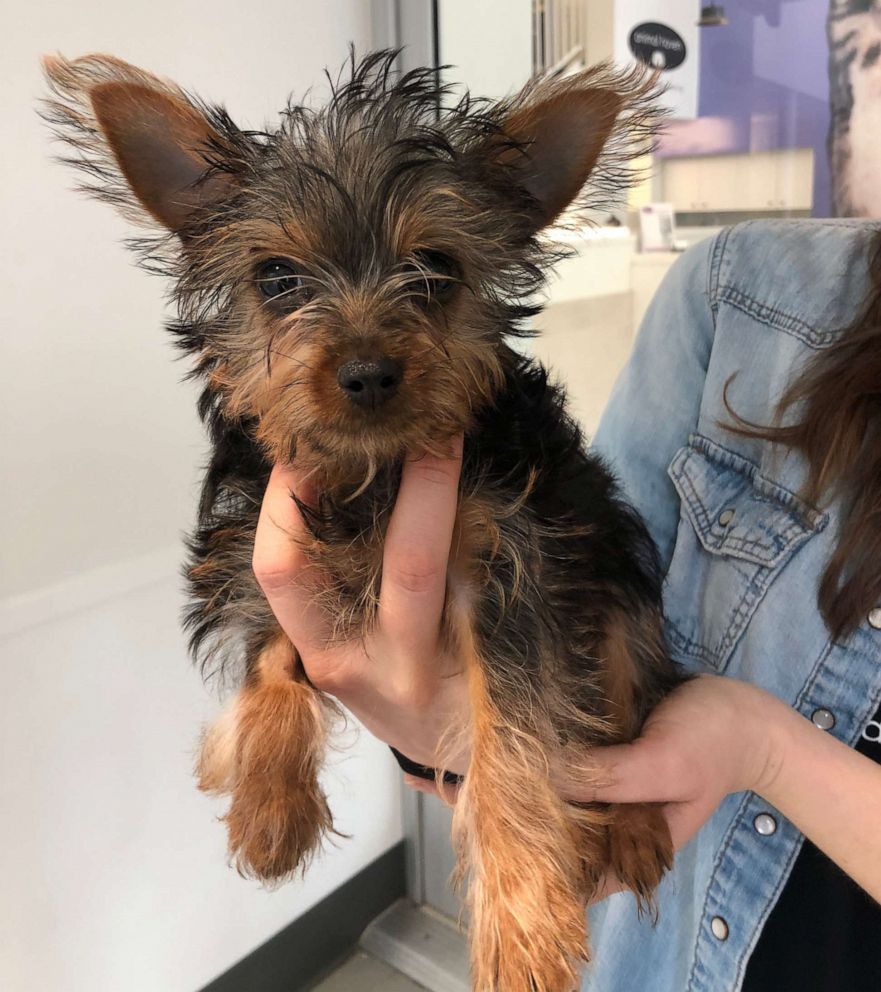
(349, 286)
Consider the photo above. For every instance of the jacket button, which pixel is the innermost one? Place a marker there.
(875, 618)
(719, 928)
(765, 824)
(823, 719)
(725, 518)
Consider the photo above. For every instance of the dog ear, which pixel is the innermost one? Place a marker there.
(559, 137)
(142, 143)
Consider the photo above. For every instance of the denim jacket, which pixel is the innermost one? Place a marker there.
(743, 554)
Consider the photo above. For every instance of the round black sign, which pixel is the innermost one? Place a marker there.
(657, 45)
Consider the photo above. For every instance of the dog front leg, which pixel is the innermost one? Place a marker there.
(265, 752)
(520, 852)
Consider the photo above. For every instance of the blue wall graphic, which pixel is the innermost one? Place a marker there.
(764, 85)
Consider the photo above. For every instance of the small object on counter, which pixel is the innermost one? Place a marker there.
(657, 227)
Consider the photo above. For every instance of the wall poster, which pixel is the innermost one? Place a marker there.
(663, 35)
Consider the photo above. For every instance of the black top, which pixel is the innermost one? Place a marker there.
(824, 934)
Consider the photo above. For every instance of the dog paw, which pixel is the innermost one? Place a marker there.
(640, 850)
(275, 826)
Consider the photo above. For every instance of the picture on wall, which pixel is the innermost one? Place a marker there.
(762, 95)
(854, 30)
(664, 36)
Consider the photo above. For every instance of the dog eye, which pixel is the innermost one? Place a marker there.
(278, 278)
(435, 275)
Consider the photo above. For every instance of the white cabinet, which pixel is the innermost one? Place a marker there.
(700, 184)
(681, 184)
(758, 181)
(795, 179)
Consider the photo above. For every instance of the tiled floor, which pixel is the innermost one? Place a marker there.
(362, 973)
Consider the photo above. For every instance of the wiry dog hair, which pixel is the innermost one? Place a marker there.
(384, 151)
(391, 124)
(397, 231)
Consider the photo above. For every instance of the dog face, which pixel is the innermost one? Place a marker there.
(345, 280)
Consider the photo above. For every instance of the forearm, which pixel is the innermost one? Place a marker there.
(830, 792)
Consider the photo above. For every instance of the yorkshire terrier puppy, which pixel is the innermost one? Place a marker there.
(348, 285)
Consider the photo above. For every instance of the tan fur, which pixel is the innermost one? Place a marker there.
(518, 845)
(640, 850)
(324, 184)
(531, 859)
(217, 765)
(620, 673)
(286, 379)
(265, 752)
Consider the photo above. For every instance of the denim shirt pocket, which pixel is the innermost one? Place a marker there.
(737, 531)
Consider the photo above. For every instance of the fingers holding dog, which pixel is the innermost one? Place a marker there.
(417, 552)
(280, 564)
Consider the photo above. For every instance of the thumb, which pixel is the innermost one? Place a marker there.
(641, 772)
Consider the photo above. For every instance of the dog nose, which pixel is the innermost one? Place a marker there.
(371, 383)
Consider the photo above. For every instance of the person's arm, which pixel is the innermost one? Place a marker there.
(711, 737)
(833, 795)
(398, 681)
(715, 736)
(410, 694)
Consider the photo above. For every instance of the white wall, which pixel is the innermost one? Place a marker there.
(489, 43)
(600, 29)
(99, 439)
(113, 872)
(112, 867)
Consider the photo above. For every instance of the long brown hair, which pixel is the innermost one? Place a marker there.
(839, 435)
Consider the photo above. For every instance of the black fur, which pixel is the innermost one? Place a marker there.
(555, 590)
(592, 552)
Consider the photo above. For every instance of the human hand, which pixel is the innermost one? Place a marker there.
(714, 736)
(398, 681)
(711, 737)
